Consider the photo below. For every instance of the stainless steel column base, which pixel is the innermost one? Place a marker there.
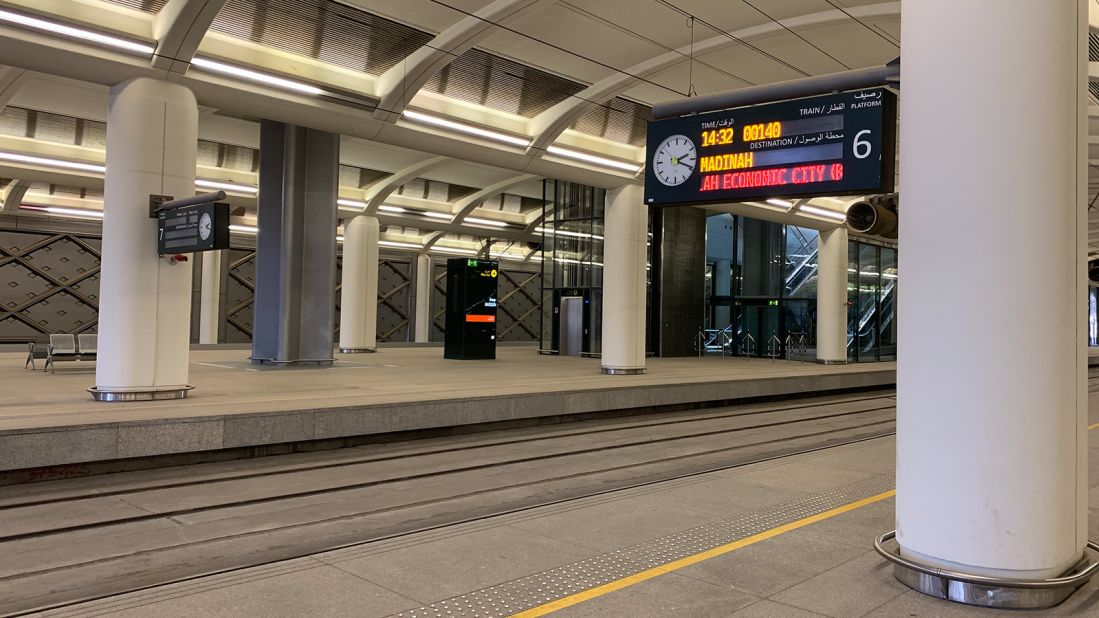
(986, 591)
(611, 371)
(150, 395)
(831, 362)
(358, 350)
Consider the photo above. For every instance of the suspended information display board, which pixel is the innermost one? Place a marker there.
(837, 144)
(195, 228)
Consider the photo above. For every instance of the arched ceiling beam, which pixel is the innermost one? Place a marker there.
(550, 124)
(13, 195)
(469, 203)
(431, 239)
(378, 192)
(179, 29)
(12, 81)
(397, 86)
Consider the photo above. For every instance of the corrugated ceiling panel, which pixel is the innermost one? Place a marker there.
(620, 120)
(149, 6)
(322, 29)
(479, 77)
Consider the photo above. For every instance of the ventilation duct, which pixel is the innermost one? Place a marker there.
(876, 216)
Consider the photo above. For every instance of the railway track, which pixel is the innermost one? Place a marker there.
(80, 539)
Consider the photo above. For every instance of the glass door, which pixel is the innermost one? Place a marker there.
(758, 324)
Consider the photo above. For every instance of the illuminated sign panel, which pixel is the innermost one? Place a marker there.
(838, 144)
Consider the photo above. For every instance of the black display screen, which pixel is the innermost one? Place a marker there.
(189, 229)
(838, 144)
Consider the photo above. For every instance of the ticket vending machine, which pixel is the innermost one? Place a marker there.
(470, 309)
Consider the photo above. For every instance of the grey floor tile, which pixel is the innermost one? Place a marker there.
(771, 566)
(312, 590)
(730, 495)
(765, 608)
(874, 457)
(804, 475)
(847, 591)
(456, 565)
(912, 604)
(621, 523)
(663, 596)
(859, 527)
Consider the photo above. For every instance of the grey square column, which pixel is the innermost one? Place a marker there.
(296, 245)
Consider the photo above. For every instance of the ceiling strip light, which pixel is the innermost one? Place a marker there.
(476, 221)
(436, 215)
(453, 250)
(226, 186)
(632, 168)
(780, 203)
(76, 33)
(388, 208)
(351, 204)
(48, 162)
(399, 245)
(244, 229)
(468, 129)
(823, 212)
(71, 212)
(254, 76)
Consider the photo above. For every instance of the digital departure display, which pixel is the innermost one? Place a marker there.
(190, 229)
(838, 144)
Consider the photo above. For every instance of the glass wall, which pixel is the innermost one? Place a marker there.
(761, 280)
(572, 259)
(871, 307)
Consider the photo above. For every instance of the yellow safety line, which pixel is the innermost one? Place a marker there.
(637, 578)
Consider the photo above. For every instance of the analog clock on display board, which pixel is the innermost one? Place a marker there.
(674, 160)
(205, 226)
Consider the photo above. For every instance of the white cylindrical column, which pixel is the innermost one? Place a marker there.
(210, 298)
(145, 300)
(991, 415)
(832, 297)
(359, 289)
(723, 286)
(624, 259)
(425, 279)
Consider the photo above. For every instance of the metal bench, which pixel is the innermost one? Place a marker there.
(89, 345)
(39, 349)
(64, 348)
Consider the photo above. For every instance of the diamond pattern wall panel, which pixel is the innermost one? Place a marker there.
(517, 315)
(239, 296)
(49, 283)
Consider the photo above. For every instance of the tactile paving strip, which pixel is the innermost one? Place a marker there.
(534, 590)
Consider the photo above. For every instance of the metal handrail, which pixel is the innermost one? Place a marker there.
(701, 343)
(1054, 582)
(773, 351)
(749, 344)
(726, 341)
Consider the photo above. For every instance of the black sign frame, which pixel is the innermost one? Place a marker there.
(178, 229)
(856, 130)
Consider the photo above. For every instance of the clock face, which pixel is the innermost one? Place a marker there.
(675, 160)
(205, 226)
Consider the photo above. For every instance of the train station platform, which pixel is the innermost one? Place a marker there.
(50, 427)
(786, 538)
